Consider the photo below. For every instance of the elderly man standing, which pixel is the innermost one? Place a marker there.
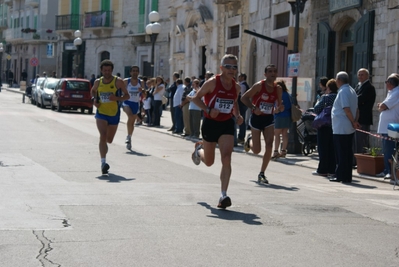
(389, 109)
(344, 117)
(365, 97)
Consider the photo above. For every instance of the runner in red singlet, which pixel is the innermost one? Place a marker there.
(266, 99)
(220, 105)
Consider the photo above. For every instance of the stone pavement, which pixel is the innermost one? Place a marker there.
(310, 161)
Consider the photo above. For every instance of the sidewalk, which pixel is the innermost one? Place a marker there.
(310, 161)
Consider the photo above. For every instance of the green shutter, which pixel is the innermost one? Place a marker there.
(105, 5)
(27, 22)
(35, 22)
(154, 5)
(75, 14)
(141, 16)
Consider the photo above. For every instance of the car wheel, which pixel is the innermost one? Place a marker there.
(37, 103)
(51, 105)
(33, 101)
(42, 105)
(82, 110)
(90, 111)
(59, 108)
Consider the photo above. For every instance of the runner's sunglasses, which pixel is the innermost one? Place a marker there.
(229, 66)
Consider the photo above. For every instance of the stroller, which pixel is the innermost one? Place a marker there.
(306, 133)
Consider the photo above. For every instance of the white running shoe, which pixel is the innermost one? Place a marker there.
(195, 156)
(128, 143)
(247, 145)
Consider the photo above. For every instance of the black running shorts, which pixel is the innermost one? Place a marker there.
(212, 130)
(261, 122)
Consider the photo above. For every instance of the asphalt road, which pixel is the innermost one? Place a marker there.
(157, 208)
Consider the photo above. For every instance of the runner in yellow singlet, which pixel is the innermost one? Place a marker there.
(105, 97)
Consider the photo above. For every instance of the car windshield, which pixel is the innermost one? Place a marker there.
(51, 84)
(77, 86)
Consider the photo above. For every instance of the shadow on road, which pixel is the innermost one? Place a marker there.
(113, 178)
(275, 186)
(135, 153)
(231, 215)
(356, 183)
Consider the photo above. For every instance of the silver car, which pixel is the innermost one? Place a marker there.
(35, 88)
(45, 92)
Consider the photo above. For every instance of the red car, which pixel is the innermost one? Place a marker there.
(72, 93)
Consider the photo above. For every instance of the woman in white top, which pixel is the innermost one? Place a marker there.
(158, 93)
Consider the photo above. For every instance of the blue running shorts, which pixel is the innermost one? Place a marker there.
(112, 120)
(134, 106)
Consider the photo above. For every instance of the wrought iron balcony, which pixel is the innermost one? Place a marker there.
(68, 22)
(99, 19)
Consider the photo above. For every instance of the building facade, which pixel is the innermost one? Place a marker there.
(112, 30)
(28, 37)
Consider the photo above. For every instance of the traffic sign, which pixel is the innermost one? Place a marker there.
(34, 61)
(8, 56)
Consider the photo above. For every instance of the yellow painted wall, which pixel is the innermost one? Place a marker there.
(64, 7)
(84, 7)
(95, 5)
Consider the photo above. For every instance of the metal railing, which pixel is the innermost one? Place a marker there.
(99, 19)
(68, 22)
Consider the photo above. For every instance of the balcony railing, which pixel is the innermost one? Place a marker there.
(99, 19)
(68, 22)
(33, 3)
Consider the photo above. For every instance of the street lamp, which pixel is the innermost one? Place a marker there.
(153, 29)
(1, 64)
(77, 42)
(297, 7)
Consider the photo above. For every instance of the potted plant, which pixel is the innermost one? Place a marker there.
(371, 162)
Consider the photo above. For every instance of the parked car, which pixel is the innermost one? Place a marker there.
(35, 87)
(72, 93)
(45, 92)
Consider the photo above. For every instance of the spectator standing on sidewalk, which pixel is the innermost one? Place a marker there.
(365, 98)
(389, 109)
(172, 91)
(195, 111)
(178, 107)
(344, 115)
(282, 123)
(325, 142)
(242, 79)
(185, 107)
(158, 93)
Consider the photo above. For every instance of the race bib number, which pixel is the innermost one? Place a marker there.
(224, 105)
(266, 108)
(104, 97)
(134, 96)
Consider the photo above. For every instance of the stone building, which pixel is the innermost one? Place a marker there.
(337, 35)
(28, 37)
(112, 30)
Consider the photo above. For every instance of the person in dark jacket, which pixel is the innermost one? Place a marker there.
(366, 98)
(172, 90)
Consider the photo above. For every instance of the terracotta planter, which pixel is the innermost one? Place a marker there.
(369, 165)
